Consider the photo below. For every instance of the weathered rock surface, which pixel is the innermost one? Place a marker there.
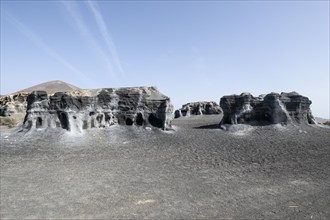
(98, 108)
(13, 106)
(272, 108)
(12, 109)
(198, 108)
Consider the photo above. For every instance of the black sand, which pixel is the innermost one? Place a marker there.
(196, 172)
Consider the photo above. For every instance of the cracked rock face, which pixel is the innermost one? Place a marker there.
(98, 108)
(272, 108)
(198, 108)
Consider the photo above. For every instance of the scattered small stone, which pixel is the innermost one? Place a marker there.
(145, 201)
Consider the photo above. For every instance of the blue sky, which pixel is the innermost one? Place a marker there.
(190, 50)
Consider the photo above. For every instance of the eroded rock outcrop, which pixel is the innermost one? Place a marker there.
(12, 109)
(272, 108)
(13, 104)
(98, 108)
(198, 108)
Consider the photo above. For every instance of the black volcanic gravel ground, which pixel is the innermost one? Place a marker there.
(195, 172)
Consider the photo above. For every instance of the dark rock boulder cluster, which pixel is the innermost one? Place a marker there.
(272, 108)
(198, 108)
(98, 108)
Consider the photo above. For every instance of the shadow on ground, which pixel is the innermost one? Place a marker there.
(212, 126)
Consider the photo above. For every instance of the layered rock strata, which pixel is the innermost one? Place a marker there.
(272, 108)
(198, 108)
(98, 108)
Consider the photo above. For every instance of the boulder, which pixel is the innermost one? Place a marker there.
(98, 108)
(272, 108)
(198, 108)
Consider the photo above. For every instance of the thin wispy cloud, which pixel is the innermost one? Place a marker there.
(71, 7)
(74, 12)
(36, 40)
(105, 34)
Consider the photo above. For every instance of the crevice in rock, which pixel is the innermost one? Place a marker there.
(63, 120)
(39, 122)
(139, 119)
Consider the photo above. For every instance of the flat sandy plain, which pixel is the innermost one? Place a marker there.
(195, 172)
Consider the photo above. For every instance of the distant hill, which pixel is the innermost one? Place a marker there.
(51, 87)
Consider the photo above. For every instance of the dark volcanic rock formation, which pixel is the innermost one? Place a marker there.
(77, 110)
(272, 108)
(13, 107)
(198, 108)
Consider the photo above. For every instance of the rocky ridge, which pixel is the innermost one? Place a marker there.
(272, 108)
(198, 108)
(98, 108)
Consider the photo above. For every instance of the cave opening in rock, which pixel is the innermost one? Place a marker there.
(64, 120)
(129, 121)
(39, 122)
(99, 118)
(184, 112)
(154, 121)
(139, 119)
(107, 117)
